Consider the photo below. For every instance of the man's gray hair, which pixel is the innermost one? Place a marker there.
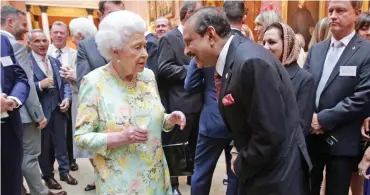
(187, 6)
(59, 23)
(83, 26)
(30, 33)
(116, 29)
(9, 11)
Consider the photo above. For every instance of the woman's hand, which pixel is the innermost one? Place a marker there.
(133, 135)
(364, 164)
(177, 118)
(365, 129)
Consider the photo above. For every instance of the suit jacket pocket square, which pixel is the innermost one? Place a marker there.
(228, 100)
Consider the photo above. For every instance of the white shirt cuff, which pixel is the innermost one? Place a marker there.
(40, 87)
(17, 100)
(233, 150)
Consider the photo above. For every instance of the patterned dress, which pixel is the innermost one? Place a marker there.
(106, 105)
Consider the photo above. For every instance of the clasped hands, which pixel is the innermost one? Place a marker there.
(138, 135)
(316, 127)
(7, 104)
(68, 73)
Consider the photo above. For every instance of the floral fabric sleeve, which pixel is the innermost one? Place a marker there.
(89, 133)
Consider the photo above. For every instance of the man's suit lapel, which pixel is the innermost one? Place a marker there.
(180, 37)
(316, 70)
(348, 52)
(37, 70)
(2, 78)
(226, 75)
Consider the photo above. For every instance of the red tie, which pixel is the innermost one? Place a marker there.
(217, 78)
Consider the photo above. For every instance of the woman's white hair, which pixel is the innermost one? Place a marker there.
(115, 29)
(82, 25)
(267, 18)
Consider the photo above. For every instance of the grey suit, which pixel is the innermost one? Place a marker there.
(342, 108)
(31, 113)
(88, 58)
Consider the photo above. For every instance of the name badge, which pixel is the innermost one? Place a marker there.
(348, 71)
(7, 61)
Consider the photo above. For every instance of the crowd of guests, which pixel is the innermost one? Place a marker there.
(287, 114)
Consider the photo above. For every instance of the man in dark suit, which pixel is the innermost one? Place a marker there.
(340, 67)
(162, 26)
(88, 55)
(14, 93)
(172, 68)
(257, 103)
(214, 137)
(55, 97)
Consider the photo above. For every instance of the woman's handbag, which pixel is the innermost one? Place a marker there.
(179, 160)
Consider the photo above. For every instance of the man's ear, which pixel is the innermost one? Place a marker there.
(244, 18)
(358, 13)
(211, 35)
(9, 21)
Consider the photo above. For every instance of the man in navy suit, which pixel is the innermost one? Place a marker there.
(213, 138)
(14, 93)
(55, 96)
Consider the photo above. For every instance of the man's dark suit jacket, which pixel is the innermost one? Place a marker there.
(152, 48)
(172, 69)
(14, 82)
(345, 99)
(264, 121)
(304, 88)
(88, 58)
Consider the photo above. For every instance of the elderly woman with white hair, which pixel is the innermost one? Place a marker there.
(120, 115)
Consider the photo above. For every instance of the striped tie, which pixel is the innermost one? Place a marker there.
(217, 78)
(59, 56)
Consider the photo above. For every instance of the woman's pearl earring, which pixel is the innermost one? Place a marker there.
(118, 61)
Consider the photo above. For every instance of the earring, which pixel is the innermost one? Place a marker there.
(118, 62)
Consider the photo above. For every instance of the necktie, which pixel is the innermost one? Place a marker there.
(330, 62)
(59, 56)
(48, 72)
(217, 78)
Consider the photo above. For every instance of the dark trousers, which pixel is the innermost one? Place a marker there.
(206, 156)
(338, 174)
(70, 138)
(11, 160)
(189, 134)
(54, 133)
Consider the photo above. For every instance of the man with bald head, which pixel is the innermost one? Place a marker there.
(162, 26)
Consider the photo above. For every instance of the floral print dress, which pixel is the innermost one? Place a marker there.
(106, 105)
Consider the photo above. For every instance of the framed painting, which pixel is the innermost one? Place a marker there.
(213, 3)
(165, 8)
(152, 11)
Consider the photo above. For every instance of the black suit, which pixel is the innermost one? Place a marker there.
(152, 48)
(304, 88)
(341, 110)
(264, 121)
(172, 70)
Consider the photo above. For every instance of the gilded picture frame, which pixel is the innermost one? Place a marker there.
(165, 8)
(152, 11)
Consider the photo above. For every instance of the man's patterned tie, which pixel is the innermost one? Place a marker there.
(217, 78)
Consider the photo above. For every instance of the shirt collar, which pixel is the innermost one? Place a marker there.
(37, 57)
(345, 40)
(222, 57)
(8, 34)
(181, 29)
(64, 49)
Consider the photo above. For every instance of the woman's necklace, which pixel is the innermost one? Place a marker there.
(127, 84)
